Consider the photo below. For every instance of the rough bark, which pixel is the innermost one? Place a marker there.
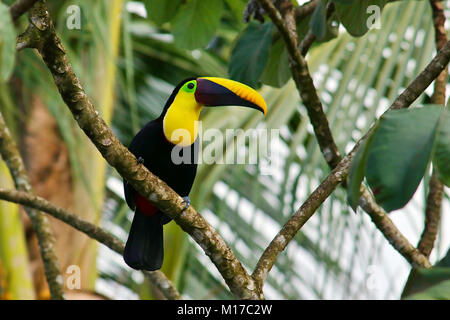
(436, 188)
(41, 226)
(42, 36)
(318, 119)
(91, 230)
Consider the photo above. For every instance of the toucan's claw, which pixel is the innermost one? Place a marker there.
(140, 160)
(187, 201)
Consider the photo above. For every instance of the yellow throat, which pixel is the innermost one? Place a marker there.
(180, 124)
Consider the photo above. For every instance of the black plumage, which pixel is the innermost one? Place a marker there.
(144, 247)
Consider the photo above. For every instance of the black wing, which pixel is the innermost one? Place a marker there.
(142, 146)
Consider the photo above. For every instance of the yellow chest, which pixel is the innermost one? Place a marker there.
(180, 124)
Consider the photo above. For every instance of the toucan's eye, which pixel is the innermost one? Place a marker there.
(190, 86)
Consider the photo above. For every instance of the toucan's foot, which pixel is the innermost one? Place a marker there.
(187, 202)
(140, 160)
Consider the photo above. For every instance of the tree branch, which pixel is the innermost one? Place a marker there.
(158, 278)
(310, 37)
(436, 188)
(340, 173)
(378, 216)
(19, 7)
(41, 226)
(305, 85)
(392, 234)
(303, 11)
(299, 218)
(432, 215)
(42, 35)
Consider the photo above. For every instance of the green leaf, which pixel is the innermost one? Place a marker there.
(324, 29)
(237, 7)
(358, 14)
(251, 52)
(357, 173)
(196, 22)
(421, 280)
(399, 154)
(440, 291)
(277, 71)
(441, 156)
(7, 43)
(318, 22)
(161, 11)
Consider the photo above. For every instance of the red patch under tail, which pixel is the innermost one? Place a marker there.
(145, 206)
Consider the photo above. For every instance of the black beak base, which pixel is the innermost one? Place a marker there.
(211, 94)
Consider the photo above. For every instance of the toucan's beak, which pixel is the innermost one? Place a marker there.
(213, 91)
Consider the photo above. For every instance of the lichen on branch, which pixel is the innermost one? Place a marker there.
(29, 200)
(41, 226)
(42, 36)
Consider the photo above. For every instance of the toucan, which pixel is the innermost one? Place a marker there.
(153, 146)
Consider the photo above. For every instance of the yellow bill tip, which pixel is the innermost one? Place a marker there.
(242, 91)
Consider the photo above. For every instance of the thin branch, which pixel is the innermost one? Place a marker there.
(163, 284)
(305, 85)
(340, 173)
(41, 226)
(158, 278)
(436, 188)
(91, 230)
(303, 11)
(404, 100)
(432, 215)
(310, 37)
(19, 7)
(41, 32)
(299, 218)
(392, 234)
(426, 77)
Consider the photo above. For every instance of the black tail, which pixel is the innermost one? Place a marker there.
(144, 249)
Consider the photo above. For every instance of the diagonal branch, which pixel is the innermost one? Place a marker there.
(301, 12)
(304, 84)
(340, 173)
(436, 188)
(299, 218)
(19, 7)
(392, 234)
(10, 154)
(42, 36)
(310, 37)
(29, 200)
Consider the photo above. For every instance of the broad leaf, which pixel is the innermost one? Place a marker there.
(421, 280)
(318, 22)
(161, 11)
(324, 29)
(237, 7)
(7, 43)
(428, 284)
(196, 22)
(441, 291)
(250, 54)
(399, 154)
(357, 173)
(441, 157)
(277, 71)
(358, 15)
